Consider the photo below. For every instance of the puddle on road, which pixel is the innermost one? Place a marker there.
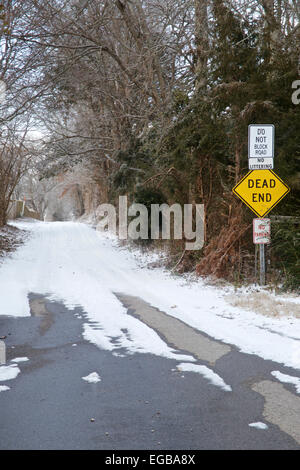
(38, 309)
(175, 332)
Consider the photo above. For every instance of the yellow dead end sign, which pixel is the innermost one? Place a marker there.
(261, 190)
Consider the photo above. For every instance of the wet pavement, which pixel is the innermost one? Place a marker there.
(142, 400)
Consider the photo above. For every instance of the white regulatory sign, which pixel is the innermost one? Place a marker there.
(261, 231)
(261, 146)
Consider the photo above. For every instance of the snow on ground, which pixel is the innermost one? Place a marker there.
(287, 379)
(85, 268)
(20, 359)
(92, 378)
(258, 425)
(8, 372)
(266, 304)
(4, 388)
(210, 375)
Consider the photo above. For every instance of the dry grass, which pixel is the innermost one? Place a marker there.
(265, 304)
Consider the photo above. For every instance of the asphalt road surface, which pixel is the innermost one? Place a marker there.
(142, 401)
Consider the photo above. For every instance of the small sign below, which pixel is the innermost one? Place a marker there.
(261, 146)
(261, 231)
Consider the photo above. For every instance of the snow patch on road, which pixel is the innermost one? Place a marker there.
(141, 339)
(4, 388)
(20, 359)
(258, 425)
(93, 378)
(8, 372)
(287, 379)
(209, 374)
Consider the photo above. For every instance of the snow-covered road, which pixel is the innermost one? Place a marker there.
(73, 263)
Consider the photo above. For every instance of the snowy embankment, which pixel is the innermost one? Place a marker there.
(74, 263)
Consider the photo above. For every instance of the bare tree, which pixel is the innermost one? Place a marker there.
(15, 158)
(20, 74)
(117, 67)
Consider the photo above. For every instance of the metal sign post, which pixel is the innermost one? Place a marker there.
(255, 263)
(261, 189)
(262, 265)
(261, 157)
(262, 236)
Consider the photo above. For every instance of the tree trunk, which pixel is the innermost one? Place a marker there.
(3, 214)
(201, 40)
(272, 30)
